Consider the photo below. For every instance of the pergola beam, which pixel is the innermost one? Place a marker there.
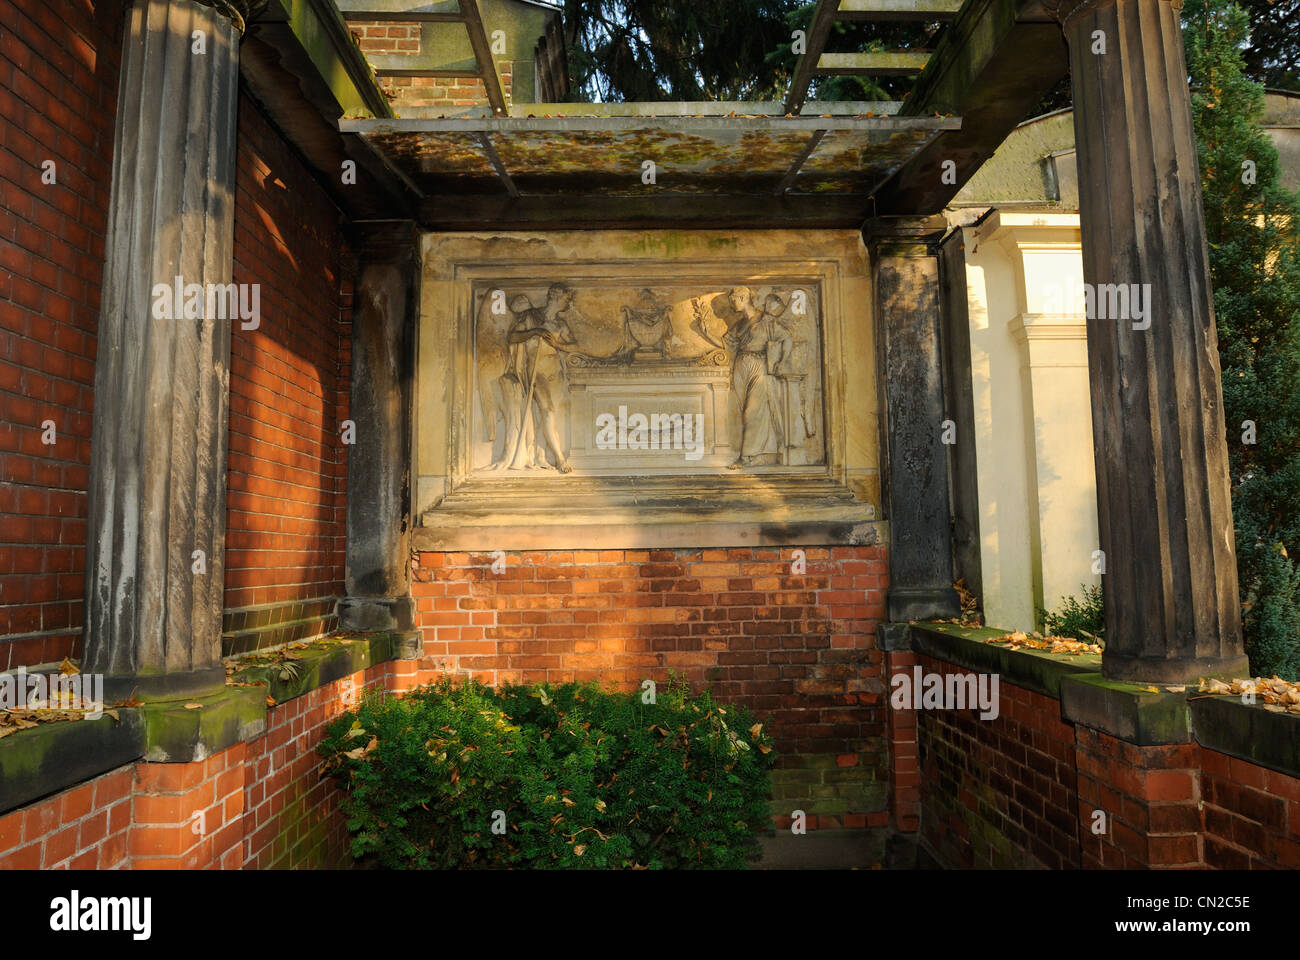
(710, 124)
(467, 13)
(805, 68)
(887, 10)
(494, 158)
(385, 16)
(448, 74)
(788, 180)
(892, 63)
(991, 68)
(478, 41)
(578, 212)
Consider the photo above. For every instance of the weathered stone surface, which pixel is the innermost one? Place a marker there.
(893, 636)
(379, 496)
(182, 733)
(1248, 732)
(50, 757)
(842, 849)
(954, 339)
(968, 647)
(908, 321)
(990, 67)
(156, 532)
(1126, 711)
(1172, 611)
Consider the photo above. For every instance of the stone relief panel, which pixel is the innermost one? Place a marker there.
(601, 378)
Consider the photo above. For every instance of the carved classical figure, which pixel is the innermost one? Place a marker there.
(759, 346)
(793, 371)
(533, 385)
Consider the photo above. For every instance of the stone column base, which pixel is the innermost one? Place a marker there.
(164, 686)
(922, 603)
(376, 613)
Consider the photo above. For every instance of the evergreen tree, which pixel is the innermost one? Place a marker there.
(654, 50)
(1251, 225)
(646, 50)
(1272, 51)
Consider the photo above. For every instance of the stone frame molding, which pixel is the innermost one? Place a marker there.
(833, 502)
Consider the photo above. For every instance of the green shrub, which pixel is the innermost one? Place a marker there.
(1081, 618)
(460, 775)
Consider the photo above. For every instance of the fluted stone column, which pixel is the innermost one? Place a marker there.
(1170, 581)
(906, 278)
(156, 535)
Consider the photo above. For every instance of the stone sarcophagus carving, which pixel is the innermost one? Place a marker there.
(671, 379)
(630, 386)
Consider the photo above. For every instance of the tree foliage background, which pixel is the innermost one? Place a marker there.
(1271, 52)
(1252, 226)
(715, 50)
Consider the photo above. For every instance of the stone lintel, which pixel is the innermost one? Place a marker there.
(644, 536)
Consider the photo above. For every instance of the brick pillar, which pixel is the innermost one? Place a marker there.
(905, 764)
(1149, 799)
(156, 535)
(1172, 611)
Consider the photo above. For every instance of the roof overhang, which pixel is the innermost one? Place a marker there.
(650, 165)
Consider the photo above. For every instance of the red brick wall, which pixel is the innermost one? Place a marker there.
(387, 38)
(1022, 790)
(58, 96)
(1150, 797)
(291, 816)
(798, 650)
(85, 828)
(904, 770)
(289, 381)
(998, 792)
(390, 39)
(1251, 814)
(443, 91)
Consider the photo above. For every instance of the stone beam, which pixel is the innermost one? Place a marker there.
(386, 304)
(305, 70)
(156, 534)
(1163, 492)
(994, 63)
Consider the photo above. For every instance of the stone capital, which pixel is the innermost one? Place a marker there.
(895, 236)
(238, 12)
(1066, 11)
